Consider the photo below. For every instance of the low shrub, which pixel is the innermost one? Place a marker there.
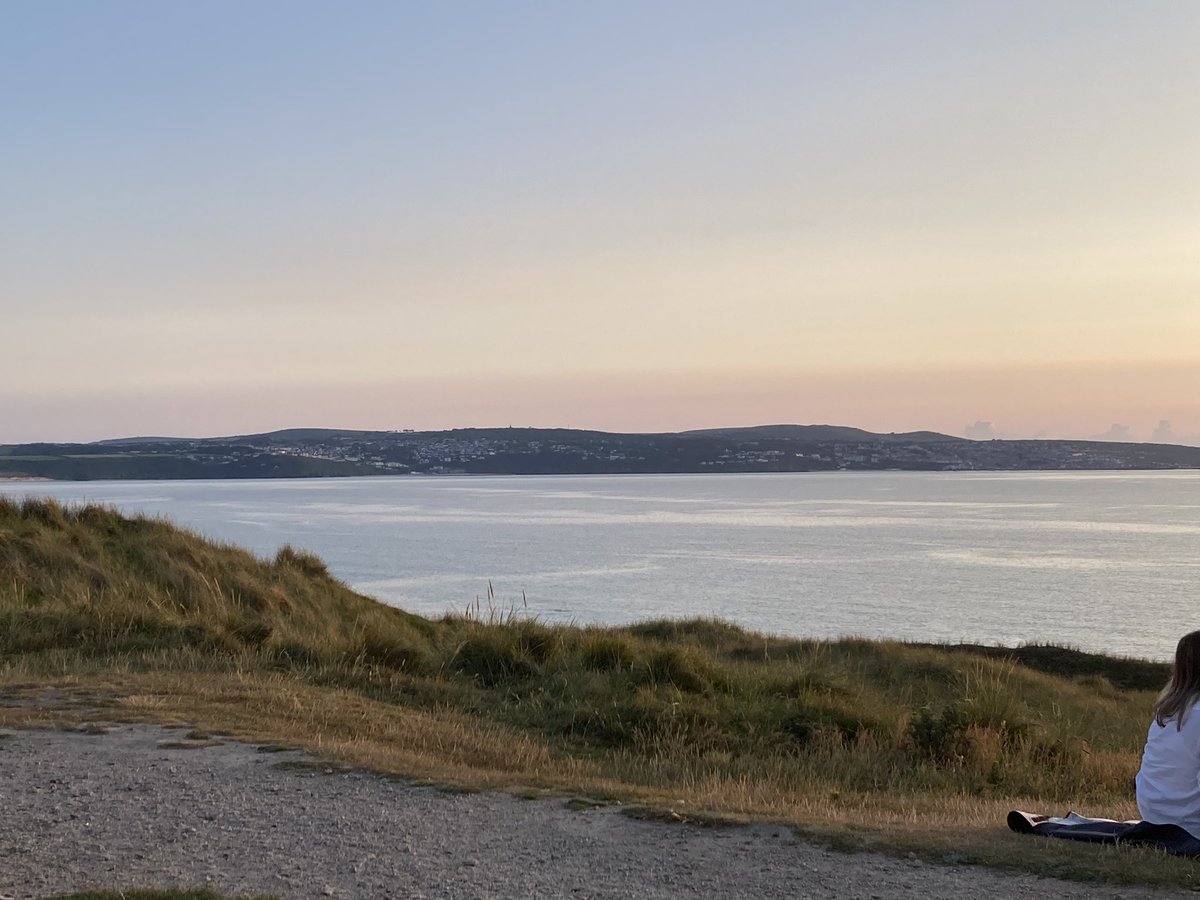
(392, 653)
(684, 668)
(940, 736)
(301, 560)
(493, 656)
(606, 653)
(804, 725)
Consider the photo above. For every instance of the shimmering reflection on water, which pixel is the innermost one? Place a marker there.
(1104, 561)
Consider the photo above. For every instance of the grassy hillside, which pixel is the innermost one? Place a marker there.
(91, 582)
(918, 744)
(819, 433)
(164, 459)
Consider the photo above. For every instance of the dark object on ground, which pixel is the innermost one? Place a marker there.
(1075, 827)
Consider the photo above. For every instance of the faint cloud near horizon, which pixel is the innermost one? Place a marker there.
(986, 431)
(980, 431)
(1116, 432)
(1164, 433)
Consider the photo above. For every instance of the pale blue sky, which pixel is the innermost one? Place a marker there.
(220, 217)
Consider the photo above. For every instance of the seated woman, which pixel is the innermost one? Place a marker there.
(1168, 784)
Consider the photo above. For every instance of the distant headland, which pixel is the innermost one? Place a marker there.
(323, 452)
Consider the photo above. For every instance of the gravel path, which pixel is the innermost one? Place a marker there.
(127, 809)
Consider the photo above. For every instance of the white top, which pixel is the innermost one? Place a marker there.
(1168, 784)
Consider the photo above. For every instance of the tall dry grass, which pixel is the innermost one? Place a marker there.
(696, 715)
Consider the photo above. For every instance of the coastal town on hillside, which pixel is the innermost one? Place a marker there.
(524, 451)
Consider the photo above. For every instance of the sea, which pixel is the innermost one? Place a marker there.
(1102, 561)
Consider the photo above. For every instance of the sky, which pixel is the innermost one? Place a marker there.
(974, 217)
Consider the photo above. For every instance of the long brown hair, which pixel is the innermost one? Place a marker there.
(1183, 690)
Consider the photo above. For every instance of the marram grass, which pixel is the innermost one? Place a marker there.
(914, 747)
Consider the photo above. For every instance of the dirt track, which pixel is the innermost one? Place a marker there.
(127, 809)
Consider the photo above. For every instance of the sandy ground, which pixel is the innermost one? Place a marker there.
(128, 808)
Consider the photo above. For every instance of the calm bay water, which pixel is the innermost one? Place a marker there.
(1103, 561)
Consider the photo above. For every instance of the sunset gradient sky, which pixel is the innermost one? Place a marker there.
(224, 217)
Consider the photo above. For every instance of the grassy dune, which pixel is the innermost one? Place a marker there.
(864, 743)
